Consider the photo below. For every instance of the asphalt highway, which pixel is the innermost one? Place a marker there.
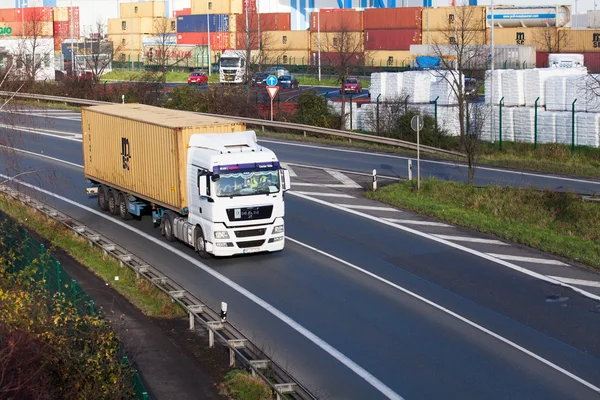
(418, 320)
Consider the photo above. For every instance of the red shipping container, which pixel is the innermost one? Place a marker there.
(392, 18)
(41, 14)
(541, 59)
(268, 22)
(185, 11)
(240, 41)
(592, 62)
(393, 39)
(250, 5)
(218, 40)
(333, 59)
(9, 15)
(337, 20)
(62, 28)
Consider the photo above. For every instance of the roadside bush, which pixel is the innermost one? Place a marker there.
(240, 385)
(428, 136)
(231, 100)
(314, 110)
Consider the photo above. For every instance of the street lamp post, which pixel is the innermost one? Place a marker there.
(208, 30)
(492, 132)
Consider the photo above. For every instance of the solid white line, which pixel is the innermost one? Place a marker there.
(456, 246)
(340, 195)
(373, 208)
(528, 259)
(329, 185)
(286, 166)
(470, 239)
(343, 170)
(22, 129)
(372, 380)
(416, 222)
(343, 178)
(453, 314)
(41, 156)
(581, 282)
(430, 161)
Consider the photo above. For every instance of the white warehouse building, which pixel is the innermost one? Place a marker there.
(20, 52)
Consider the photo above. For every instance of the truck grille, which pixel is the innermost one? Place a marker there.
(251, 232)
(249, 213)
(251, 243)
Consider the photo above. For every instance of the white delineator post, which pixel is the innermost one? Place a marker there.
(374, 180)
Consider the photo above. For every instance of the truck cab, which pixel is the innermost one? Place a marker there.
(232, 67)
(235, 197)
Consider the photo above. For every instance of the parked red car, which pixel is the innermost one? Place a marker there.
(352, 85)
(197, 78)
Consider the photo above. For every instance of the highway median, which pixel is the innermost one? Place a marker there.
(558, 223)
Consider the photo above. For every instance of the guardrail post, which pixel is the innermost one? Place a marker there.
(211, 338)
(374, 180)
(192, 321)
(573, 125)
(535, 124)
(500, 116)
(410, 170)
(377, 114)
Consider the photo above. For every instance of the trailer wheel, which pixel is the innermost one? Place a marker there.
(123, 211)
(166, 227)
(112, 202)
(102, 201)
(200, 244)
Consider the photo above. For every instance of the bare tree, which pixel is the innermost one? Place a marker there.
(33, 52)
(461, 53)
(550, 39)
(346, 52)
(99, 55)
(163, 55)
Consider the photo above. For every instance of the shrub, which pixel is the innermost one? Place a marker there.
(240, 385)
(314, 110)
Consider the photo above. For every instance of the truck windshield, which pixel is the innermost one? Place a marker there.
(230, 62)
(248, 182)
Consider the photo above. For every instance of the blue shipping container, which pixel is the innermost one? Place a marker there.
(197, 23)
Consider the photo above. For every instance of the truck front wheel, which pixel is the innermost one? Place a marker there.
(201, 244)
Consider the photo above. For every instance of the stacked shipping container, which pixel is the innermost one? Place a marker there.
(454, 25)
(66, 25)
(338, 31)
(34, 21)
(193, 30)
(268, 22)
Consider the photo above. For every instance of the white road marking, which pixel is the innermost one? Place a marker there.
(456, 246)
(470, 239)
(286, 166)
(453, 314)
(72, 136)
(343, 178)
(416, 222)
(373, 208)
(368, 377)
(340, 195)
(346, 171)
(528, 259)
(71, 117)
(41, 156)
(329, 185)
(580, 282)
(453, 164)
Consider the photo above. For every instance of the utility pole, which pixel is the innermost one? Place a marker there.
(492, 102)
(208, 30)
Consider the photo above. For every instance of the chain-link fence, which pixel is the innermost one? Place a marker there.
(24, 250)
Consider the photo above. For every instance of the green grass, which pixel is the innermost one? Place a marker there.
(558, 223)
(240, 385)
(61, 106)
(150, 300)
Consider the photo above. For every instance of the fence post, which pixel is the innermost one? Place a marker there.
(350, 111)
(535, 124)
(377, 113)
(501, 104)
(435, 114)
(573, 125)
(92, 307)
(58, 277)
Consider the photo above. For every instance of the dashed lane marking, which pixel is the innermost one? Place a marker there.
(579, 282)
(340, 195)
(533, 260)
(417, 222)
(470, 239)
(372, 208)
(343, 178)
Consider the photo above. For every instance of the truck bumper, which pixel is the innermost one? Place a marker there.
(270, 245)
(243, 240)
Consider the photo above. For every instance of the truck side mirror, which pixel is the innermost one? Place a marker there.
(287, 184)
(202, 185)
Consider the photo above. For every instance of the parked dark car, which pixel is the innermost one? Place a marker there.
(287, 81)
(259, 79)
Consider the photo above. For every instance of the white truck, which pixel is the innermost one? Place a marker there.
(204, 180)
(232, 67)
(565, 60)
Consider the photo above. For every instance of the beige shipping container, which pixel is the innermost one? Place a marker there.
(143, 9)
(61, 14)
(211, 7)
(331, 42)
(469, 18)
(450, 37)
(237, 6)
(146, 26)
(388, 58)
(233, 25)
(287, 57)
(126, 42)
(585, 40)
(142, 150)
(286, 40)
(544, 39)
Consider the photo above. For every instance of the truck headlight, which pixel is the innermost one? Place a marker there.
(278, 229)
(221, 235)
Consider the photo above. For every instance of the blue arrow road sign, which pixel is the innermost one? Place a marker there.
(271, 80)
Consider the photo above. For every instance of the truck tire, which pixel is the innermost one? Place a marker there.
(200, 244)
(123, 211)
(112, 202)
(166, 227)
(102, 200)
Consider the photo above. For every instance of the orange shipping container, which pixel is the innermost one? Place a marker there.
(468, 18)
(268, 22)
(544, 39)
(156, 140)
(393, 18)
(337, 21)
(9, 15)
(10, 29)
(587, 40)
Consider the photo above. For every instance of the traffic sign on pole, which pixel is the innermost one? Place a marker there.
(271, 80)
(272, 93)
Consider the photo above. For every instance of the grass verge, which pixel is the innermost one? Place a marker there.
(240, 385)
(558, 223)
(151, 301)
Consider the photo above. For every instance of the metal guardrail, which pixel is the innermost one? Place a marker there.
(361, 137)
(282, 384)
